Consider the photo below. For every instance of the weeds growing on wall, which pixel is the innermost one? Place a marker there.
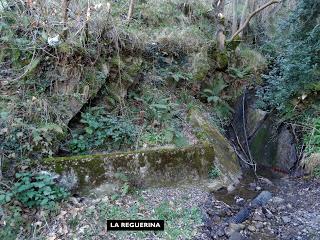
(103, 131)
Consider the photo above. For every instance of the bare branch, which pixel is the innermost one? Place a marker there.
(251, 16)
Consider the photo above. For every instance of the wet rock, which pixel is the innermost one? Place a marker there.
(255, 117)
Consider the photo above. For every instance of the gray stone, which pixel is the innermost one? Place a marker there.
(251, 228)
(257, 217)
(233, 227)
(252, 186)
(258, 225)
(236, 236)
(269, 215)
(286, 153)
(277, 200)
(220, 233)
(286, 219)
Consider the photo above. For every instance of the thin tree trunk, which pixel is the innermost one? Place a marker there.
(243, 15)
(220, 22)
(131, 9)
(235, 16)
(65, 10)
(243, 26)
(252, 5)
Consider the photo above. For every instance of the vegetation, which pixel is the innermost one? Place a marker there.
(79, 77)
(295, 74)
(102, 131)
(214, 173)
(34, 190)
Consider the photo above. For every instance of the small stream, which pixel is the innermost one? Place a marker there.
(250, 186)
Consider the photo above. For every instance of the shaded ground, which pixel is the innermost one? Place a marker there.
(84, 218)
(293, 213)
(191, 213)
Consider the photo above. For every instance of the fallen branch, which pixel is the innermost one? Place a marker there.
(250, 17)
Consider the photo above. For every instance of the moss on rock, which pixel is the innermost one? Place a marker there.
(151, 167)
(200, 66)
(225, 158)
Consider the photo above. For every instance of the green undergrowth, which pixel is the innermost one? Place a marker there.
(152, 117)
(30, 192)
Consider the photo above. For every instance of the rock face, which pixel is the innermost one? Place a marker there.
(286, 152)
(270, 146)
(274, 148)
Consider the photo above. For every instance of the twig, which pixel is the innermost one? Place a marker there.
(5, 185)
(238, 141)
(245, 131)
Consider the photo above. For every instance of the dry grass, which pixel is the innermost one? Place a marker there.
(311, 163)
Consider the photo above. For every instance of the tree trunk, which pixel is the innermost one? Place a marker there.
(65, 9)
(220, 22)
(235, 16)
(131, 8)
(244, 25)
(243, 16)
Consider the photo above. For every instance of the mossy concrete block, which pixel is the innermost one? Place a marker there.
(225, 158)
(149, 168)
